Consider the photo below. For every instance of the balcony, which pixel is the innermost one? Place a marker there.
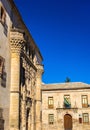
(67, 107)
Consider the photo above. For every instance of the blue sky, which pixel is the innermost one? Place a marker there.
(61, 29)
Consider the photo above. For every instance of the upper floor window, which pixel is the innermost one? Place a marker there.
(51, 118)
(2, 72)
(67, 103)
(2, 14)
(85, 118)
(1, 65)
(84, 101)
(50, 102)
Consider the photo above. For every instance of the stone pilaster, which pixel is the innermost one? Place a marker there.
(23, 116)
(33, 116)
(16, 44)
(38, 96)
(29, 121)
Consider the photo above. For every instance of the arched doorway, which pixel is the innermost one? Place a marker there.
(67, 122)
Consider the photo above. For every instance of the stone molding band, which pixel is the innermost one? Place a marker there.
(14, 92)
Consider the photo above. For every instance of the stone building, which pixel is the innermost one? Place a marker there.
(66, 106)
(20, 72)
(26, 103)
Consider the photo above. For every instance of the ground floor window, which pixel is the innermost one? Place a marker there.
(51, 118)
(1, 120)
(85, 118)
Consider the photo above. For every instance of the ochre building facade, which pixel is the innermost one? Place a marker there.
(66, 106)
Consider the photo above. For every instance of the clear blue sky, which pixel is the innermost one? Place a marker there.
(61, 29)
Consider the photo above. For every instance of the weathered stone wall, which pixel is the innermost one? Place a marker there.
(21, 56)
(5, 53)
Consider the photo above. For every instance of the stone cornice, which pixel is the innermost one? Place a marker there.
(28, 61)
(17, 40)
(53, 89)
(40, 70)
(31, 40)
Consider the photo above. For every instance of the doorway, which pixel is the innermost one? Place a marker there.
(67, 122)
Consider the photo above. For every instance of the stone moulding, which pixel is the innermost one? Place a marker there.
(40, 68)
(28, 61)
(74, 109)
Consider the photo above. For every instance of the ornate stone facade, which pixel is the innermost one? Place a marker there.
(23, 66)
(26, 103)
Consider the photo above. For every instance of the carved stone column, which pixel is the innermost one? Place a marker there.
(23, 116)
(38, 96)
(29, 121)
(16, 43)
(33, 115)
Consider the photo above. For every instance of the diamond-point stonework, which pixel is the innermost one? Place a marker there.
(17, 40)
(22, 85)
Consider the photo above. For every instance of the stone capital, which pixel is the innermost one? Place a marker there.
(17, 40)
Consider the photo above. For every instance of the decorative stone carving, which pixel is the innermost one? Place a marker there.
(17, 40)
(40, 70)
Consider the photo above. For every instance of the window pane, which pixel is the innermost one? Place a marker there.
(84, 101)
(85, 118)
(50, 102)
(51, 118)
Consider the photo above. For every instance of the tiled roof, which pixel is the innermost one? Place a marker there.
(64, 86)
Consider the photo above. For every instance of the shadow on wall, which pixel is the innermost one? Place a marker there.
(1, 119)
(3, 75)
